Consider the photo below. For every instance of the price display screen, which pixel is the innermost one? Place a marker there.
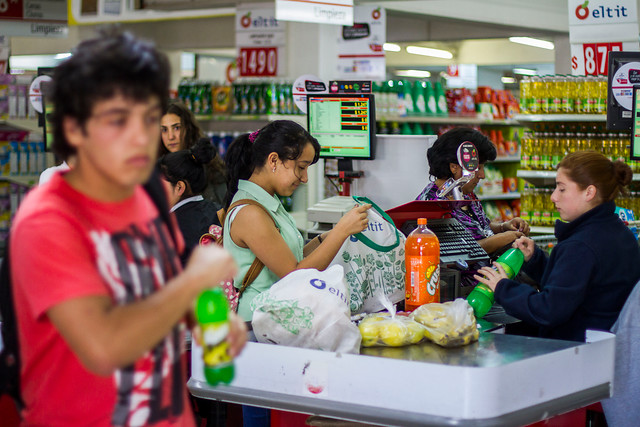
(343, 124)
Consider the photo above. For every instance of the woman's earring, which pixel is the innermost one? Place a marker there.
(274, 169)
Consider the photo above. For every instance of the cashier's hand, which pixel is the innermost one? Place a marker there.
(516, 224)
(526, 245)
(490, 276)
(354, 221)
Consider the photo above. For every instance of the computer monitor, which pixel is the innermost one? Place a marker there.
(344, 125)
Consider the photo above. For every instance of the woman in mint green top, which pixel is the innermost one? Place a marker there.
(262, 165)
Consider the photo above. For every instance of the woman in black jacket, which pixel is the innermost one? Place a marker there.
(185, 172)
(591, 271)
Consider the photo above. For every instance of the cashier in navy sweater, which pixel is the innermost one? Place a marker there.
(591, 271)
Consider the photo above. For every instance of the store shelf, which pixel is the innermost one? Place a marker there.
(542, 178)
(538, 178)
(541, 230)
(507, 159)
(25, 124)
(536, 118)
(448, 120)
(27, 180)
(503, 196)
(298, 118)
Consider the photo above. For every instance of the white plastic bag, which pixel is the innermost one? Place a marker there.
(307, 308)
(373, 262)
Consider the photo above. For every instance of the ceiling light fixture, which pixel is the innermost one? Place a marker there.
(62, 55)
(529, 41)
(391, 47)
(508, 80)
(427, 51)
(420, 74)
(525, 71)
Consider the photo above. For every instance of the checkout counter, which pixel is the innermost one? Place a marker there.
(501, 380)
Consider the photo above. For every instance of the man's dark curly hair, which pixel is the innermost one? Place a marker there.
(444, 150)
(113, 63)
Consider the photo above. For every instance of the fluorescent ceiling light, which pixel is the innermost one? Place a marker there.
(391, 47)
(508, 80)
(62, 55)
(524, 71)
(427, 51)
(420, 74)
(529, 41)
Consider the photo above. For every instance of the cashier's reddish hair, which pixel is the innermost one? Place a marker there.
(114, 63)
(587, 168)
(284, 137)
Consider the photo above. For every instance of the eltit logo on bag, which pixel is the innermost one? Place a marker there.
(321, 284)
(375, 226)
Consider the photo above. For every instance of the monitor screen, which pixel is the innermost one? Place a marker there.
(343, 124)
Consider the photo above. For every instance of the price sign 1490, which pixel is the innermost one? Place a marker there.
(258, 61)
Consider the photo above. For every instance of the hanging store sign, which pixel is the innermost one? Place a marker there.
(39, 18)
(260, 39)
(360, 53)
(337, 12)
(597, 27)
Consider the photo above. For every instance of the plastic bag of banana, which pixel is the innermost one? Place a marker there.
(449, 324)
(383, 329)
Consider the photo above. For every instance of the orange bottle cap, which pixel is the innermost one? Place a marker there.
(422, 221)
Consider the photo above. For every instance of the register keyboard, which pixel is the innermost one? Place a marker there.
(456, 243)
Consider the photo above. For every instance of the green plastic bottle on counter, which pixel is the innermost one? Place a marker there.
(212, 313)
(481, 297)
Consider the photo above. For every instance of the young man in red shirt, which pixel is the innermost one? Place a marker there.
(100, 295)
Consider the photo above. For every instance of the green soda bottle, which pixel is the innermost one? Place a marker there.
(481, 297)
(212, 313)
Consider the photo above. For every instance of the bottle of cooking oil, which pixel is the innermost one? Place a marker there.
(525, 150)
(536, 95)
(601, 101)
(525, 94)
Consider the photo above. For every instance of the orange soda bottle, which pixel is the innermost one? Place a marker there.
(422, 262)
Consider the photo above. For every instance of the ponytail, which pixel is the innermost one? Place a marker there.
(593, 168)
(239, 165)
(188, 166)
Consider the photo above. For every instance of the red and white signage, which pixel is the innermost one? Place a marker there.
(359, 48)
(260, 39)
(597, 27)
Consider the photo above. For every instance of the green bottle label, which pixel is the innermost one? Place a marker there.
(215, 346)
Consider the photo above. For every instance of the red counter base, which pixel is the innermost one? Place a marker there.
(8, 412)
(288, 419)
(591, 415)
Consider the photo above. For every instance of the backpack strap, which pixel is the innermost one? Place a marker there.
(10, 363)
(257, 265)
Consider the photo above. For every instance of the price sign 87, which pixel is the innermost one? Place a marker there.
(258, 61)
(596, 57)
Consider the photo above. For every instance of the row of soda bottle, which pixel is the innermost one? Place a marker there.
(243, 97)
(264, 97)
(401, 98)
(544, 150)
(197, 95)
(537, 208)
(563, 94)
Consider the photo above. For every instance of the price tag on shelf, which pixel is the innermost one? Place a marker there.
(258, 62)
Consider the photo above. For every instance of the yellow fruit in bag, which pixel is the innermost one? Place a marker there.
(383, 330)
(449, 324)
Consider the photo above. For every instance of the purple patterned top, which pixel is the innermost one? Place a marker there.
(474, 220)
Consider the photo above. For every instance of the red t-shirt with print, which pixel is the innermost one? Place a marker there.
(65, 245)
